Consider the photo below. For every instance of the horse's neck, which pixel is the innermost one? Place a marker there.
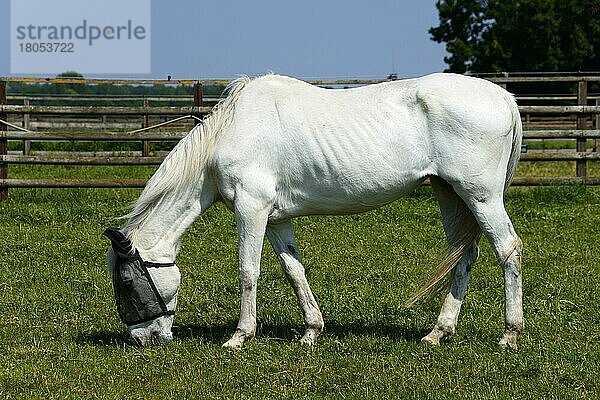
(158, 235)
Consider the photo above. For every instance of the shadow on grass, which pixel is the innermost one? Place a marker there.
(105, 338)
(216, 334)
(220, 333)
(391, 331)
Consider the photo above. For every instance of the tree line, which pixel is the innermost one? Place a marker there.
(519, 35)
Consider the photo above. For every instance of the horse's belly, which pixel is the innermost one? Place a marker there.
(343, 194)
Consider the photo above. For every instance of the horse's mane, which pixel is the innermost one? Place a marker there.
(188, 159)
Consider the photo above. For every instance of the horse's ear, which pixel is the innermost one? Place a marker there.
(120, 243)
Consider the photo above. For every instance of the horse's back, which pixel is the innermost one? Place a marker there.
(438, 100)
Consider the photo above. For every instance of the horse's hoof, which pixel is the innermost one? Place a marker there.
(429, 341)
(310, 337)
(436, 336)
(509, 340)
(233, 343)
(237, 340)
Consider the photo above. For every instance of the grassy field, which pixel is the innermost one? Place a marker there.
(60, 336)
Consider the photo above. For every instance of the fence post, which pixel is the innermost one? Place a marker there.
(26, 124)
(197, 95)
(145, 124)
(582, 124)
(597, 126)
(3, 143)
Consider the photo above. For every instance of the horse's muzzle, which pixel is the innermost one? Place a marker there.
(145, 337)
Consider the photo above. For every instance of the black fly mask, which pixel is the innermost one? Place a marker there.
(136, 295)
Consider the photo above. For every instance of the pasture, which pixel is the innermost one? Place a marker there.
(61, 336)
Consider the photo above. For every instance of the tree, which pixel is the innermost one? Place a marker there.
(519, 35)
(70, 74)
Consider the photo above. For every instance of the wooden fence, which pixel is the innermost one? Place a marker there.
(587, 126)
(540, 121)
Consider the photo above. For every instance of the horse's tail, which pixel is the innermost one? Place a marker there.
(442, 276)
(470, 231)
(517, 138)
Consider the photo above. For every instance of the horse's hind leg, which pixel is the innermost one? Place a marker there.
(496, 225)
(283, 241)
(458, 222)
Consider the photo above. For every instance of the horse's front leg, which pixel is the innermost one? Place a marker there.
(283, 241)
(251, 216)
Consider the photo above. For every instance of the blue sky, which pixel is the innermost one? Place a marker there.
(307, 39)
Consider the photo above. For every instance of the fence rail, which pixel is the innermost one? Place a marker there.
(102, 110)
(87, 136)
(548, 117)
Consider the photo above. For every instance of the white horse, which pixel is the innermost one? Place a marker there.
(277, 148)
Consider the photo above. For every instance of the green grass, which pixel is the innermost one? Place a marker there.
(554, 168)
(556, 144)
(60, 336)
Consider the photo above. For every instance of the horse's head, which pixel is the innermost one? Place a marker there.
(145, 292)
